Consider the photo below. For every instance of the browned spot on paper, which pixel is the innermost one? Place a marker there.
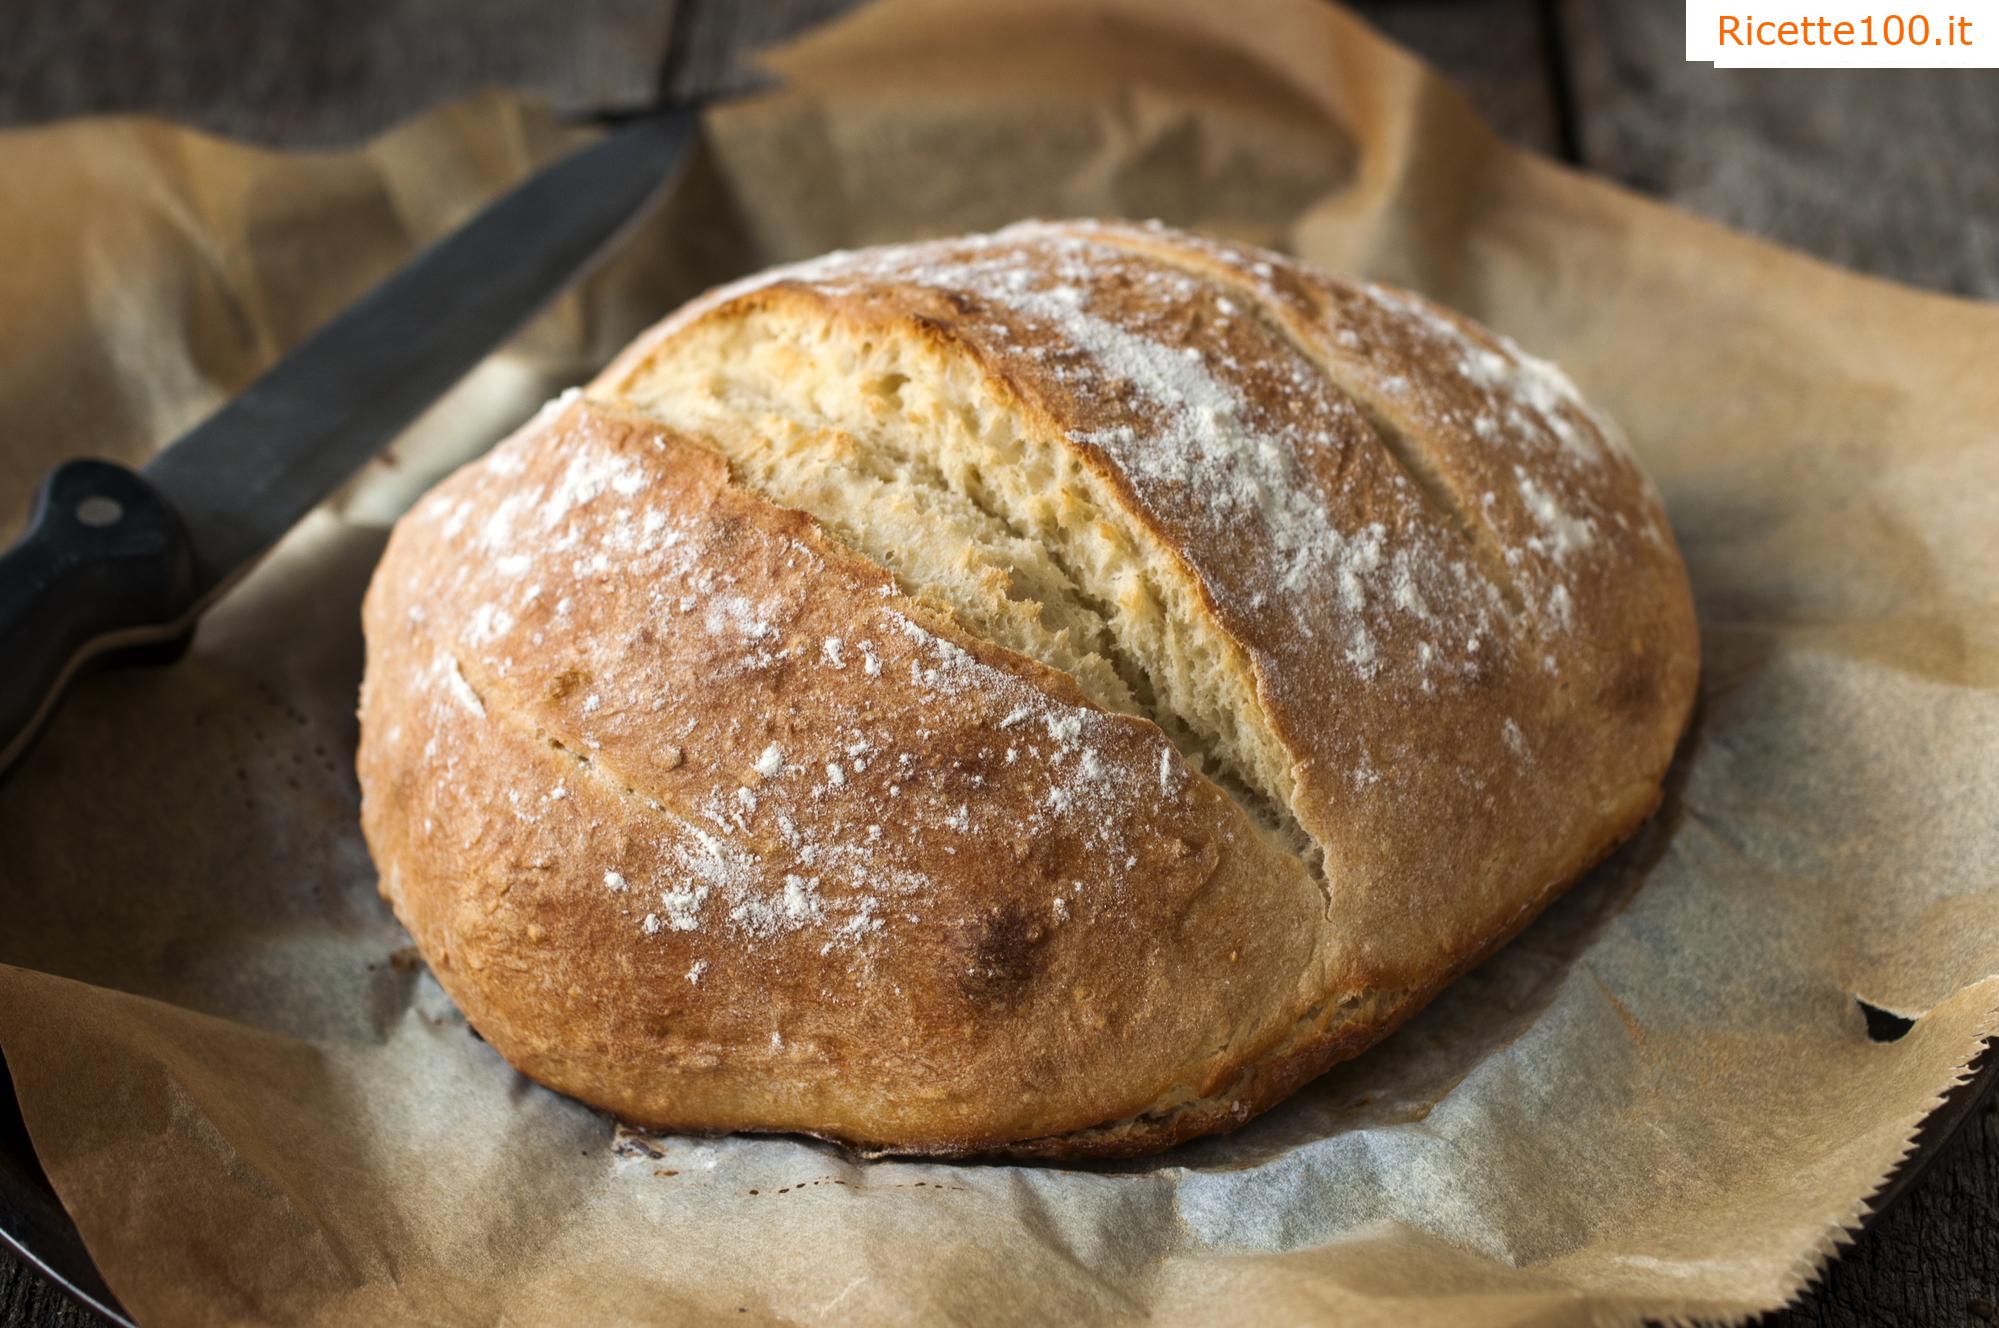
(1631, 1024)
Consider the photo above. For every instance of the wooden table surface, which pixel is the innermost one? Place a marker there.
(1890, 172)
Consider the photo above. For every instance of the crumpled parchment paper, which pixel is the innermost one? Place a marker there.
(1660, 1101)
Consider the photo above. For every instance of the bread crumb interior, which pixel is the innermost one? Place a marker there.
(918, 461)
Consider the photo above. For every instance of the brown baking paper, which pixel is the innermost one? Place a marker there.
(1661, 1100)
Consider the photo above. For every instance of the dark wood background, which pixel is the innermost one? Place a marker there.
(1891, 172)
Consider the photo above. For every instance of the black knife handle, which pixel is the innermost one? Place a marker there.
(104, 572)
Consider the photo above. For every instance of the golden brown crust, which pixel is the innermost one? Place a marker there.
(999, 884)
(702, 819)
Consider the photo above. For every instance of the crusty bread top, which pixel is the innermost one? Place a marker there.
(672, 787)
(1437, 594)
(1049, 690)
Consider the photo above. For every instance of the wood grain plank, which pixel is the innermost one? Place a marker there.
(302, 73)
(716, 38)
(307, 73)
(1497, 52)
(27, 1298)
(1891, 171)
(1932, 1258)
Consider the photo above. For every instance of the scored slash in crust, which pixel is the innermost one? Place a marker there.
(1051, 692)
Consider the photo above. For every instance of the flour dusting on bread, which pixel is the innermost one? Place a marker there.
(1050, 691)
(818, 868)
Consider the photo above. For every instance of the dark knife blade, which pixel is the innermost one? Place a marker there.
(246, 475)
(120, 561)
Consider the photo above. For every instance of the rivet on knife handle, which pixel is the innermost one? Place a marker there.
(104, 569)
(115, 559)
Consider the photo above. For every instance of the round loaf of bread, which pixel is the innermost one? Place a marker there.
(1051, 692)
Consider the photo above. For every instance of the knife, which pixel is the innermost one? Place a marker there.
(116, 565)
